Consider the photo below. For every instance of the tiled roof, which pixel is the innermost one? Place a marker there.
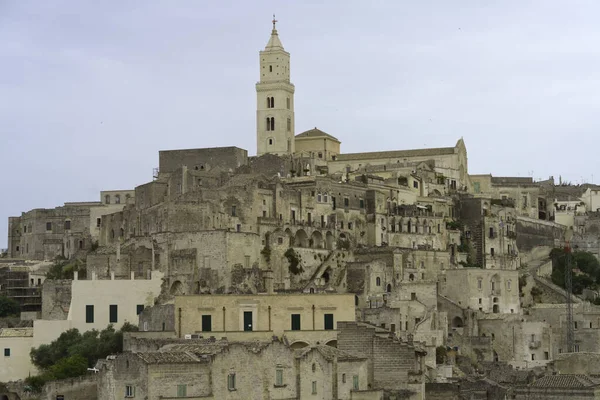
(315, 133)
(168, 357)
(396, 154)
(512, 180)
(328, 352)
(16, 332)
(565, 381)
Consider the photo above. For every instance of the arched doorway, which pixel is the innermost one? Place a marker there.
(496, 309)
(457, 322)
(301, 238)
(389, 288)
(317, 240)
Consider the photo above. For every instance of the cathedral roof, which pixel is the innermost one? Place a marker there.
(316, 133)
(397, 154)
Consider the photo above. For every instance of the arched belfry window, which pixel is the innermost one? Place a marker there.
(270, 102)
(270, 123)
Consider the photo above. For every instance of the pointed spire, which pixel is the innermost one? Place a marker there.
(274, 42)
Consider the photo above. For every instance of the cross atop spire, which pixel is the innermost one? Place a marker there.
(274, 22)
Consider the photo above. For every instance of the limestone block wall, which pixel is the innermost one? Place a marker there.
(81, 388)
(56, 299)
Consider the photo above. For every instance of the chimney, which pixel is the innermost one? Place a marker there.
(269, 280)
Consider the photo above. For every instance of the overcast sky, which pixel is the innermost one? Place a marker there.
(90, 91)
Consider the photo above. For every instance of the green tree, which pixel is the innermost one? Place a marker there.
(8, 307)
(68, 367)
(72, 353)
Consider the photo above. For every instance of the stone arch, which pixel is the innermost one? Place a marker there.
(317, 240)
(332, 343)
(176, 288)
(457, 322)
(301, 238)
(411, 277)
(298, 345)
(389, 288)
(496, 309)
(329, 240)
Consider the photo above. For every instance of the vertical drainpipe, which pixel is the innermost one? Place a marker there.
(179, 322)
(224, 327)
(313, 315)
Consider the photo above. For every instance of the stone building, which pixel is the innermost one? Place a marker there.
(15, 344)
(486, 290)
(234, 370)
(302, 318)
(67, 231)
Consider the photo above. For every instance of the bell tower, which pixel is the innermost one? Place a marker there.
(274, 100)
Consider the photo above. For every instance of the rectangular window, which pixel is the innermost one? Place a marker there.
(393, 327)
(289, 124)
(89, 314)
(129, 391)
(355, 382)
(296, 322)
(349, 225)
(67, 225)
(231, 381)
(7, 352)
(233, 211)
(181, 390)
(48, 226)
(246, 261)
(206, 323)
(346, 202)
(288, 103)
(238, 228)
(139, 308)
(415, 184)
(112, 313)
(98, 222)
(328, 322)
(476, 187)
(361, 203)
(278, 377)
(314, 387)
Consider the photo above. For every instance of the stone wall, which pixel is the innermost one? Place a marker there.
(157, 318)
(390, 361)
(202, 159)
(81, 388)
(532, 233)
(56, 299)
